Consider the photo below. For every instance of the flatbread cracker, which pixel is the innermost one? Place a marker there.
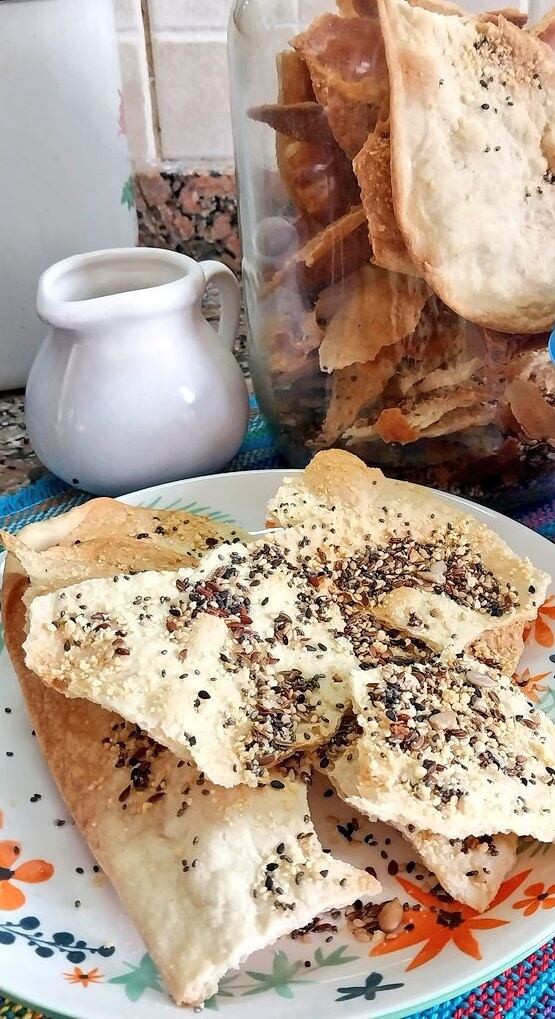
(372, 167)
(155, 819)
(290, 344)
(187, 654)
(107, 537)
(545, 29)
(345, 57)
(319, 179)
(374, 310)
(306, 121)
(471, 870)
(371, 514)
(331, 255)
(455, 766)
(532, 408)
(472, 165)
(414, 419)
(317, 175)
(294, 84)
(354, 388)
(500, 649)
(357, 8)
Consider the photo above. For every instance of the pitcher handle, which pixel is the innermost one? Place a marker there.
(230, 298)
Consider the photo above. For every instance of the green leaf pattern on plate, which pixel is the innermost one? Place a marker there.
(547, 704)
(283, 976)
(139, 978)
(190, 507)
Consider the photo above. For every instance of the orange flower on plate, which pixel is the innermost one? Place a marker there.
(541, 629)
(442, 920)
(530, 685)
(78, 976)
(11, 897)
(537, 897)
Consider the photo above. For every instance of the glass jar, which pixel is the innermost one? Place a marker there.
(355, 341)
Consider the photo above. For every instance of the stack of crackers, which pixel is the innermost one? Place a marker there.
(416, 150)
(186, 681)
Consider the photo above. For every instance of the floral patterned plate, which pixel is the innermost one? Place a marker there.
(67, 946)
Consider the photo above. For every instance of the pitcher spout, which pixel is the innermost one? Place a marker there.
(119, 282)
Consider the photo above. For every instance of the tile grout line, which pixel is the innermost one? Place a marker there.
(151, 79)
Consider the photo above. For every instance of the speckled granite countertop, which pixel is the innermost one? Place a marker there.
(18, 461)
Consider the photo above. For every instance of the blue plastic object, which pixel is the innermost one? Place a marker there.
(551, 345)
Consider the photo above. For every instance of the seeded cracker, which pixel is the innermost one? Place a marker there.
(238, 647)
(104, 536)
(452, 749)
(472, 114)
(168, 840)
(420, 565)
(471, 870)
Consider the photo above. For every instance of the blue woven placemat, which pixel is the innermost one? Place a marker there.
(526, 991)
(50, 496)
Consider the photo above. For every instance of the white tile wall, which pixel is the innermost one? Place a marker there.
(193, 98)
(176, 86)
(128, 14)
(188, 14)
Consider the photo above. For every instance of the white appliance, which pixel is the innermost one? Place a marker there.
(65, 183)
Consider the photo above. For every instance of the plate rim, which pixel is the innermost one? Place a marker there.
(422, 1005)
(455, 990)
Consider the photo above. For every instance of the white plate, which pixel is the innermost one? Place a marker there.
(49, 946)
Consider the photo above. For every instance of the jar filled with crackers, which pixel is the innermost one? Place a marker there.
(396, 171)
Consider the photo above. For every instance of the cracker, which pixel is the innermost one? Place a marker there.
(500, 649)
(157, 819)
(458, 770)
(458, 187)
(331, 255)
(294, 82)
(372, 167)
(306, 121)
(108, 536)
(545, 29)
(187, 654)
(376, 519)
(319, 179)
(532, 409)
(370, 310)
(345, 57)
(290, 345)
(355, 388)
(422, 415)
(470, 870)
(357, 8)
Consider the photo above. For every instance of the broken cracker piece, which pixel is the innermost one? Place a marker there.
(345, 57)
(307, 121)
(369, 310)
(457, 773)
(532, 409)
(372, 167)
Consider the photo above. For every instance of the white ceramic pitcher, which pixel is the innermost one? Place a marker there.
(132, 386)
